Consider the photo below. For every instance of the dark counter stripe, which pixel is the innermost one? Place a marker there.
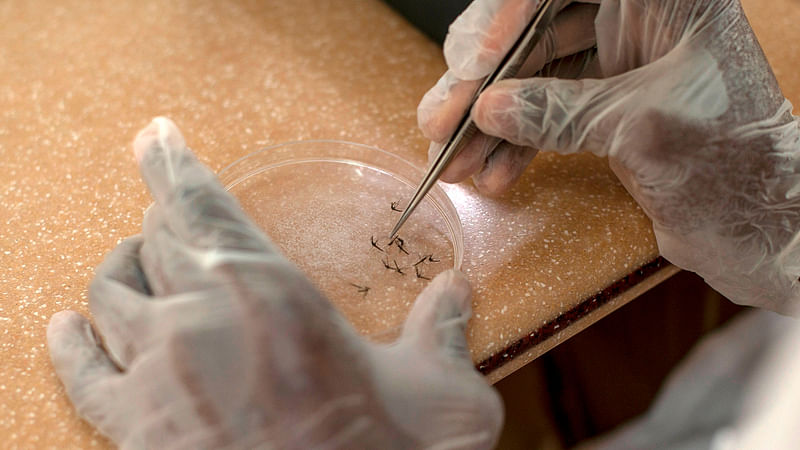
(564, 320)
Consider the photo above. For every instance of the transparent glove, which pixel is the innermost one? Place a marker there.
(731, 391)
(688, 112)
(206, 337)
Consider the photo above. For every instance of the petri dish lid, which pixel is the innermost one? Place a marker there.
(330, 205)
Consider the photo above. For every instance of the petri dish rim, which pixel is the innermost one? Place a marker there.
(339, 151)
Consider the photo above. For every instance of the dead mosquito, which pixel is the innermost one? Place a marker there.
(375, 243)
(400, 243)
(395, 268)
(361, 289)
(420, 275)
(402, 249)
(429, 258)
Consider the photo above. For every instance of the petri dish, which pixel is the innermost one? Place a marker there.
(330, 206)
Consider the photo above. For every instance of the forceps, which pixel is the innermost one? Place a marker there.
(466, 128)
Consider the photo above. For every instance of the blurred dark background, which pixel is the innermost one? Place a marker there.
(432, 17)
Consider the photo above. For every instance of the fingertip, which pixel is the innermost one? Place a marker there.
(457, 280)
(166, 164)
(469, 160)
(481, 36)
(443, 106)
(451, 177)
(453, 172)
(68, 333)
(144, 140)
(455, 285)
(63, 323)
(433, 151)
(431, 111)
(448, 295)
(491, 186)
(432, 125)
(439, 316)
(83, 367)
(503, 169)
(77, 356)
(161, 132)
(461, 48)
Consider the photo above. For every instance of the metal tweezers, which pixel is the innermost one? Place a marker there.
(466, 129)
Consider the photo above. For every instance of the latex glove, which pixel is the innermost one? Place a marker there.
(207, 337)
(730, 392)
(694, 125)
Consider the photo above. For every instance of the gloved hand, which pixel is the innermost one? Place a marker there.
(687, 110)
(206, 337)
(731, 391)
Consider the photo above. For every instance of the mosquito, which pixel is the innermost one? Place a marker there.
(361, 289)
(375, 243)
(400, 243)
(395, 268)
(420, 261)
(400, 246)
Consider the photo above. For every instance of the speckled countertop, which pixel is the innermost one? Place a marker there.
(78, 79)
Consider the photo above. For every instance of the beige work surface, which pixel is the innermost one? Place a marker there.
(78, 79)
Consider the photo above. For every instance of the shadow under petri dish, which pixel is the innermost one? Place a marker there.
(330, 205)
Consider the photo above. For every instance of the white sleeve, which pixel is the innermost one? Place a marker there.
(715, 397)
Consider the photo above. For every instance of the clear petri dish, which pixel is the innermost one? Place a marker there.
(330, 206)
